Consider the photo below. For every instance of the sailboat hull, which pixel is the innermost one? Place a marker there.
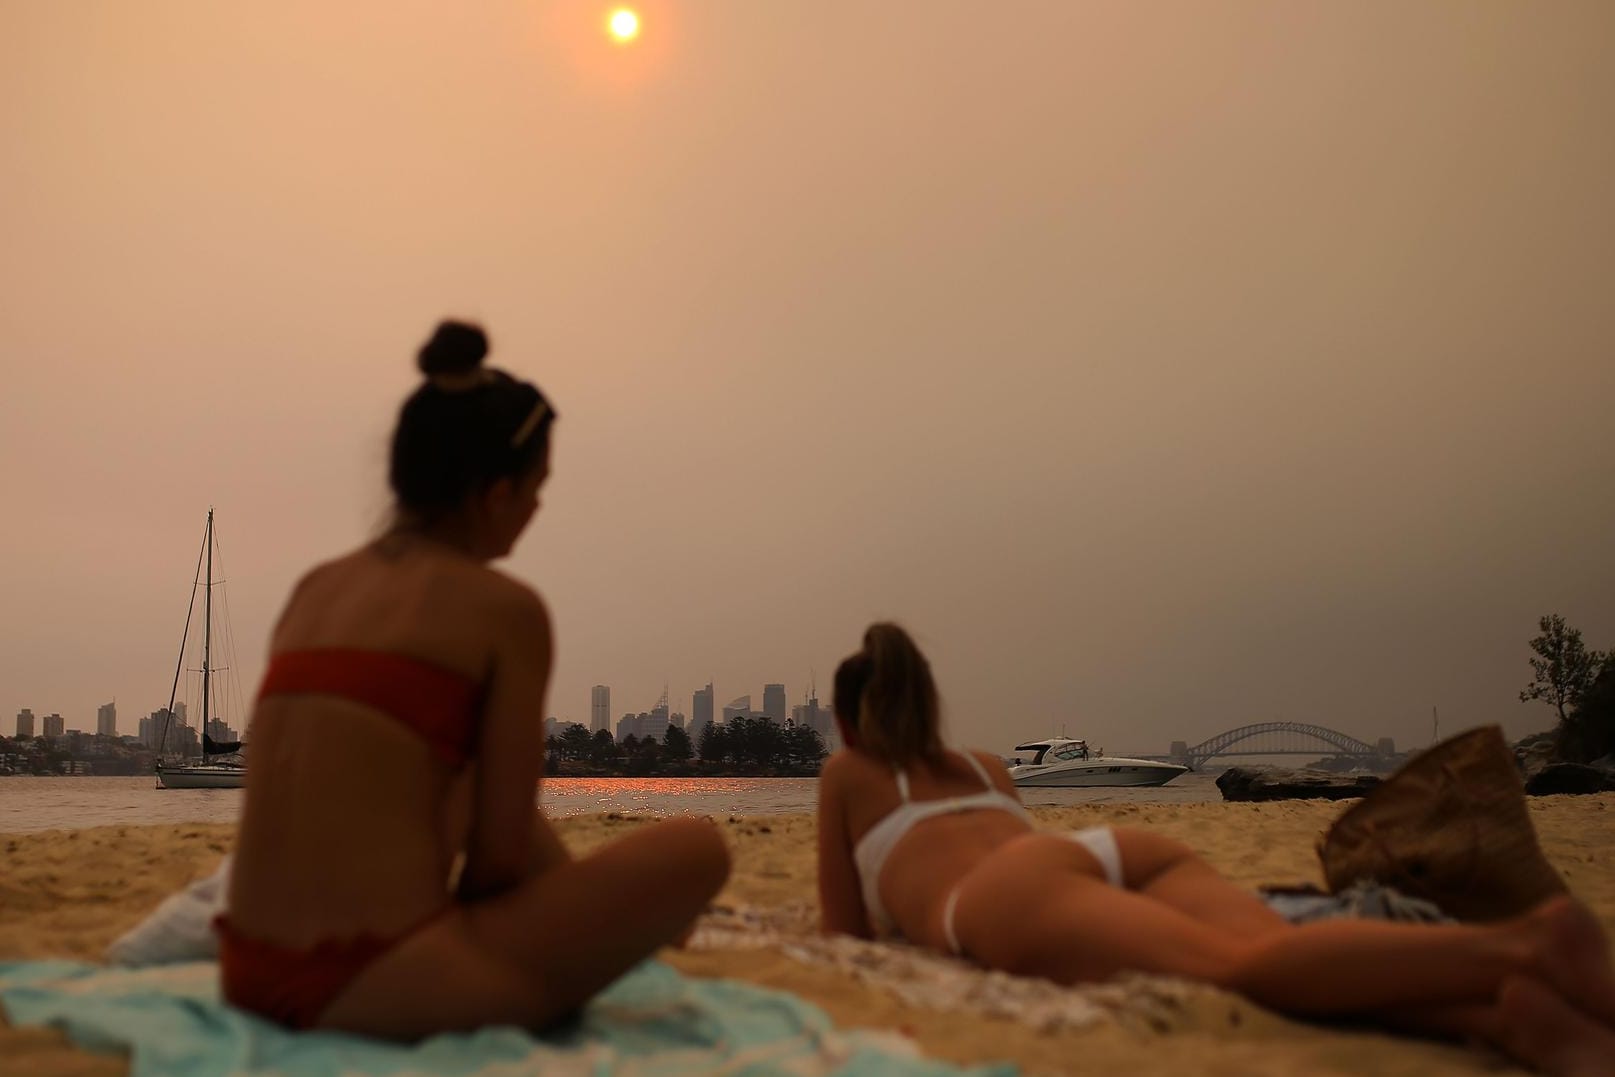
(202, 777)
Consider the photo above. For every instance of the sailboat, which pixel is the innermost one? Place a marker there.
(221, 766)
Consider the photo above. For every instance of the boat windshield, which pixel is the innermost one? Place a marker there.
(1078, 750)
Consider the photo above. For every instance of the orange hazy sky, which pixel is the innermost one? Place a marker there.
(1162, 367)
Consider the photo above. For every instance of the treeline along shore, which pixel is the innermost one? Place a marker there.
(739, 748)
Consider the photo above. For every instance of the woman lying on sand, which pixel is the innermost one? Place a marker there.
(399, 725)
(933, 844)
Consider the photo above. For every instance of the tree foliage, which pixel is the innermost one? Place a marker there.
(1563, 669)
(754, 743)
(1589, 731)
(761, 743)
(603, 747)
(574, 742)
(676, 744)
(713, 745)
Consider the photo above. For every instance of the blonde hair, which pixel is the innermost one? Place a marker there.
(887, 694)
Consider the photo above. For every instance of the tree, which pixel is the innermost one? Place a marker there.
(676, 744)
(804, 746)
(603, 747)
(1564, 668)
(574, 742)
(1589, 733)
(757, 741)
(714, 743)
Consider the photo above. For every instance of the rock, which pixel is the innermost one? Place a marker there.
(1535, 753)
(1275, 783)
(1568, 778)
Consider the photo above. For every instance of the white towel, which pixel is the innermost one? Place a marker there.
(180, 929)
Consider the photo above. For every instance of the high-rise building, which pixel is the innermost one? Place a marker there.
(700, 711)
(183, 740)
(599, 708)
(739, 707)
(54, 726)
(179, 713)
(25, 723)
(774, 703)
(627, 726)
(151, 728)
(817, 718)
(106, 719)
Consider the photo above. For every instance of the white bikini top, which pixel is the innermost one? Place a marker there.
(877, 844)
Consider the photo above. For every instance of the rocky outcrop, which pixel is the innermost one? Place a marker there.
(1558, 778)
(1546, 774)
(1276, 783)
(1536, 753)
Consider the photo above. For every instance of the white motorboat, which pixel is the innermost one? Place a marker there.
(1062, 762)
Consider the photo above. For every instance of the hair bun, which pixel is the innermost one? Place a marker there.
(455, 348)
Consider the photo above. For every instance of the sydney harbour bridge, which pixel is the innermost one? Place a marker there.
(1278, 738)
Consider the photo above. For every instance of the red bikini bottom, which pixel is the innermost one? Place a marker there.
(293, 986)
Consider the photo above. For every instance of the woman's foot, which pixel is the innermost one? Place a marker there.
(1575, 958)
(1541, 1029)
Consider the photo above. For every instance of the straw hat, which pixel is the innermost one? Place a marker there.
(1451, 827)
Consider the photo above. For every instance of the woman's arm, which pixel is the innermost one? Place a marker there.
(507, 835)
(841, 901)
(547, 850)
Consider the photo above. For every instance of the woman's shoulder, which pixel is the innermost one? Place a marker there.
(514, 597)
(849, 766)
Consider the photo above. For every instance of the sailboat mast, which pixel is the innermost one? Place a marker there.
(207, 628)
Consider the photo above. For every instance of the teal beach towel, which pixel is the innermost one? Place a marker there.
(653, 1022)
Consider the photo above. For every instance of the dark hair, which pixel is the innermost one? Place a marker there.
(886, 693)
(465, 428)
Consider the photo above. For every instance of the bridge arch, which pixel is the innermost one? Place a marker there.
(1341, 743)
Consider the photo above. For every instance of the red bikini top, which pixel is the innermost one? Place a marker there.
(439, 704)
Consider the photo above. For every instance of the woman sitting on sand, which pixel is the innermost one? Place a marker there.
(399, 726)
(934, 844)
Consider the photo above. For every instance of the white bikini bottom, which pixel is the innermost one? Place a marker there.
(1098, 840)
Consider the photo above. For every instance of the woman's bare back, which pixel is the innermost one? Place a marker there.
(348, 793)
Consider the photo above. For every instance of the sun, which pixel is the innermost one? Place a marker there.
(624, 25)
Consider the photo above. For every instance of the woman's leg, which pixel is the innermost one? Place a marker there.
(1070, 926)
(1561, 1042)
(541, 949)
(1540, 1028)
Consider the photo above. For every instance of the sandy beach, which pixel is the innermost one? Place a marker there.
(67, 894)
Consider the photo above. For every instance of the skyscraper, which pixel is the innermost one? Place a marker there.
(700, 711)
(739, 707)
(599, 708)
(25, 723)
(151, 728)
(54, 726)
(774, 703)
(106, 720)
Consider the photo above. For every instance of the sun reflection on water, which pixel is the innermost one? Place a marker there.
(677, 796)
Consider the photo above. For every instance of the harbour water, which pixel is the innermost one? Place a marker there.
(69, 803)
